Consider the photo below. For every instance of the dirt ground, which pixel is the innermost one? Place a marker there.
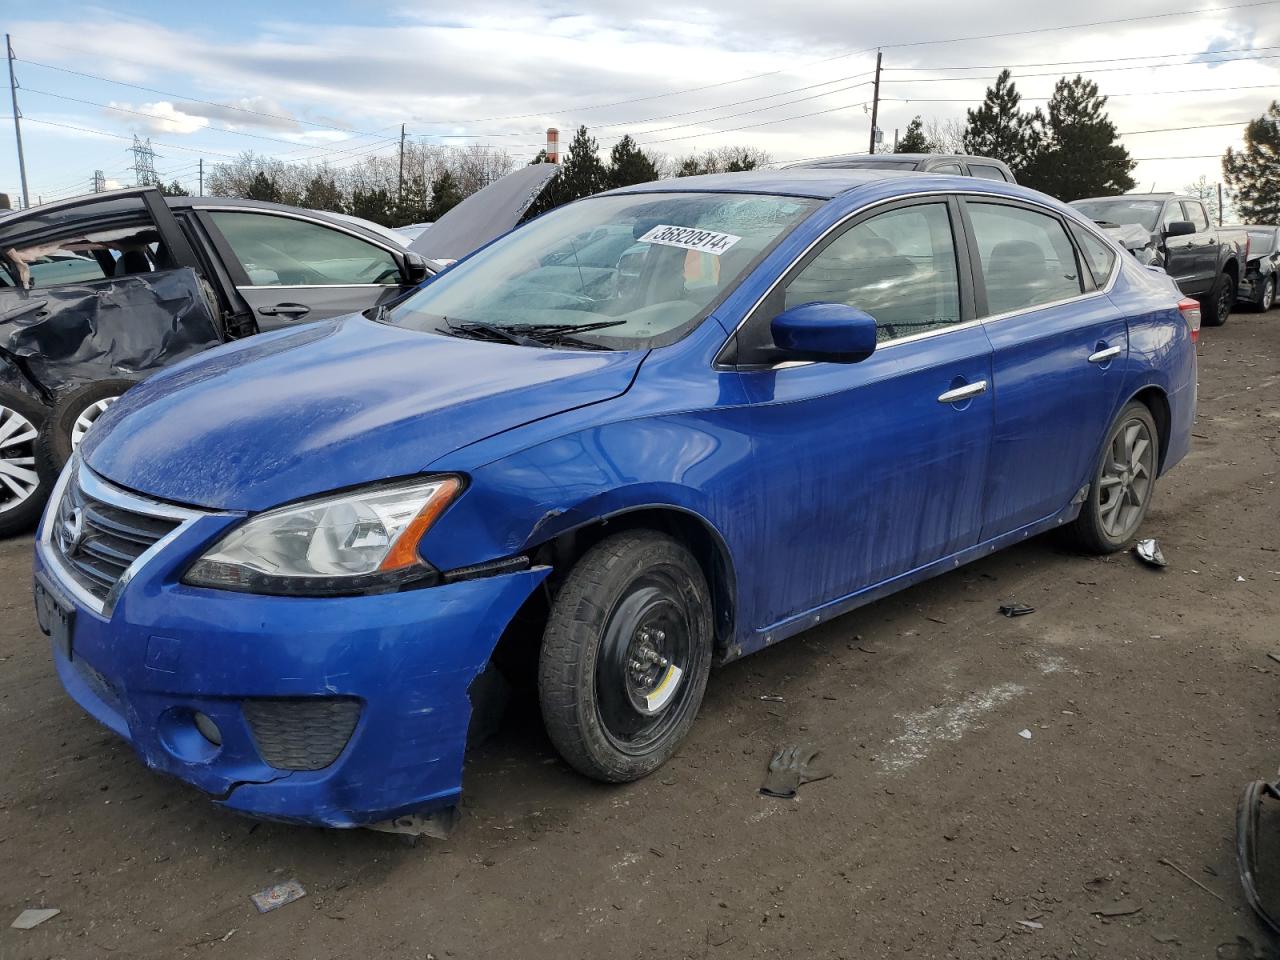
(1149, 698)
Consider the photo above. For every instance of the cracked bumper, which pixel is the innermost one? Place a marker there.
(168, 652)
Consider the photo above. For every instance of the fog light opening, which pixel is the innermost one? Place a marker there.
(208, 729)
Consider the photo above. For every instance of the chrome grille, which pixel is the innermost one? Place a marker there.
(97, 540)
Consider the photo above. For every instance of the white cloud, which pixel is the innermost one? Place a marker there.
(160, 117)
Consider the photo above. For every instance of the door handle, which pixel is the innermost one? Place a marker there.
(285, 310)
(1102, 356)
(967, 392)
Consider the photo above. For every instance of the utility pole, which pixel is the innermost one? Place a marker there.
(17, 125)
(875, 105)
(400, 176)
(200, 189)
(1219, 203)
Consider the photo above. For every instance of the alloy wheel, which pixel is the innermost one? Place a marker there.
(87, 417)
(18, 477)
(1127, 475)
(1226, 299)
(1268, 295)
(645, 657)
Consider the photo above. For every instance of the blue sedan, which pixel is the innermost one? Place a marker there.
(648, 432)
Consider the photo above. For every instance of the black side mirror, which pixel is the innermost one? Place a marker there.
(1179, 228)
(415, 268)
(825, 332)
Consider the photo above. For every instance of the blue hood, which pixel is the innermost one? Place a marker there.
(331, 405)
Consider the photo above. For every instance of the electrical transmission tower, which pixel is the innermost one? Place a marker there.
(99, 181)
(144, 162)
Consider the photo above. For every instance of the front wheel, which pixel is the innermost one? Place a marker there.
(625, 656)
(1123, 483)
(72, 416)
(22, 490)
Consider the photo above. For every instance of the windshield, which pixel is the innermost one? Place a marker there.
(627, 271)
(1120, 210)
(1261, 241)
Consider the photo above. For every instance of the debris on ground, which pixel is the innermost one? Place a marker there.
(1240, 579)
(772, 698)
(1121, 908)
(1016, 609)
(1274, 656)
(1149, 552)
(1174, 866)
(1025, 734)
(789, 767)
(1030, 924)
(34, 917)
(277, 896)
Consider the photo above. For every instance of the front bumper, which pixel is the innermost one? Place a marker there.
(165, 652)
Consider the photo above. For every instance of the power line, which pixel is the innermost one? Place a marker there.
(1068, 63)
(1109, 96)
(1089, 72)
(751, 126)
(1199, 126)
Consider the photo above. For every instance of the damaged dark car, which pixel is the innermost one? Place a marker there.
(99, 292)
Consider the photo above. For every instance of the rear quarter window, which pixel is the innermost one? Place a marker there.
(1099, 258)
(987, 172)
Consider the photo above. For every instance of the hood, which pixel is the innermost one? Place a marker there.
(485, 215)
(334, 404)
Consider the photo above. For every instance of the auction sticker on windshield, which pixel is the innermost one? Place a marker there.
(690, 238)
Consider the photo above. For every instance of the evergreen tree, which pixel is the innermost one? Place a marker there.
(174, 189)
(322, 193)
(1080, 154)
(263, 187)
(583, 173)
(999, 129)
(691, 167)
(372, 204)
(628, 164)
(414, 205)
(540, 158)
(445, 195)
(914, 140)
(1253, 174)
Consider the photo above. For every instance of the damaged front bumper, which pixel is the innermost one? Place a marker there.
(338, 711)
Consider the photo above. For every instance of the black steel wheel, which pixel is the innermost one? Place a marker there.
(1217, 306)
(626, 655)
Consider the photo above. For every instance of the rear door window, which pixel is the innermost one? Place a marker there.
(987, 172)
(278, 251)
(1026, 257)
(947, 168)
(1099, 258)
(85, 257)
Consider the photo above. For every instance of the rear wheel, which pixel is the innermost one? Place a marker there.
(1217, 306)
(625, 656)
(1268, 298)
(22, 490)
(72, 416)
(1123, 483)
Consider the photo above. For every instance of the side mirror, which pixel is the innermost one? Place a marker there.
(1179, 228)
(826, 332)
(415, 268)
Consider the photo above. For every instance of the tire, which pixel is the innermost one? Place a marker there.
(23, 490)
(73, 413)
(1216, 307)
(613, 711)
(1098, 528)
(1267, 299)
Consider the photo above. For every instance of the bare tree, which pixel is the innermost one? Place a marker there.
(944, 136)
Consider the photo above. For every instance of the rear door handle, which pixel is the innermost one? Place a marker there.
(285, 310)
(967, 392)
(1102, 356)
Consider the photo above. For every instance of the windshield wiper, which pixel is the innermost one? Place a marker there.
(566, 333)
(492, 332)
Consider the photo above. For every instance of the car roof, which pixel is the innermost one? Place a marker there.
(818, 183)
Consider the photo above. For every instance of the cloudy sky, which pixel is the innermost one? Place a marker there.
(334, 79)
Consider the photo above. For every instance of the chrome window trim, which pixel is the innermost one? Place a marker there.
(99, 489)
(317, 286)
(943, 194)
(290, 215)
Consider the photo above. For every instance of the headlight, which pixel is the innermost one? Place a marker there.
(358, 542)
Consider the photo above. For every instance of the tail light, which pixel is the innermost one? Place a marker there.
(1190, 310)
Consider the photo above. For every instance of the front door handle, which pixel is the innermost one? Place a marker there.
(1102, 356)
(967, 392)
(285, 310)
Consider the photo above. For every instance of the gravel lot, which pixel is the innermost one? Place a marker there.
(1149, 698)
